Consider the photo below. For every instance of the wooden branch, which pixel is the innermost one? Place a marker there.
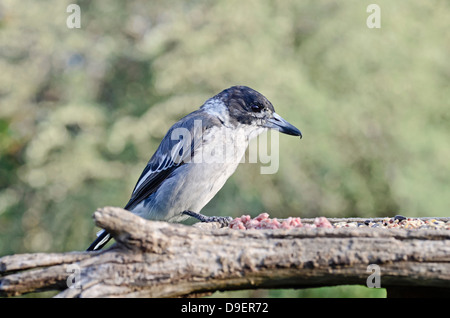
(160, 259)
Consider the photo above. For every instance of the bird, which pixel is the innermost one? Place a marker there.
(197, 156)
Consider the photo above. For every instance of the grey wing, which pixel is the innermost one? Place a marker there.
(177, 148)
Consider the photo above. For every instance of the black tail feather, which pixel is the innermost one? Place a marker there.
(100, 241)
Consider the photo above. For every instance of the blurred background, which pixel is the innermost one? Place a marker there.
(82, 110)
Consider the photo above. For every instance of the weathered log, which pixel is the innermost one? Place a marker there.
(160, 259)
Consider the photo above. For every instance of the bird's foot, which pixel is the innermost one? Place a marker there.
(223, 220)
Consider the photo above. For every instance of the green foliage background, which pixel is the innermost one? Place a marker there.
(82, 110)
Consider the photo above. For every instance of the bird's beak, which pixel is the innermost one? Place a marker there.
(279, 123)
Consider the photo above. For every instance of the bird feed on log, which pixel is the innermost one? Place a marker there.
(263, 221)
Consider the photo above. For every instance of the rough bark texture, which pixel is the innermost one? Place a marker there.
(159, 259)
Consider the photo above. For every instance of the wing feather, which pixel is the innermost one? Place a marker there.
(170, 155)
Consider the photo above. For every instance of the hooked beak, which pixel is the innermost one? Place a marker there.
(279, 123)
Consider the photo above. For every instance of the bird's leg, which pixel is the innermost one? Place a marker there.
(223, 220)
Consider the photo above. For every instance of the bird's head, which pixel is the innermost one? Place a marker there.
(243, 106)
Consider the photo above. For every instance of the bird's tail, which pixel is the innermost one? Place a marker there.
(103, 237)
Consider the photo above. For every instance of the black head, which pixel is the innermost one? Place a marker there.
(249, 107)
(246, 105)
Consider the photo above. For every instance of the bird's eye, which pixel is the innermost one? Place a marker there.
(257, 108)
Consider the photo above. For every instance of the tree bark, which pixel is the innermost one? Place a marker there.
(160, 259)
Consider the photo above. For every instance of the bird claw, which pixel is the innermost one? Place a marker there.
(223, 220)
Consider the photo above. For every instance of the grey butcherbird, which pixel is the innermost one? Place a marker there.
(198, 154)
